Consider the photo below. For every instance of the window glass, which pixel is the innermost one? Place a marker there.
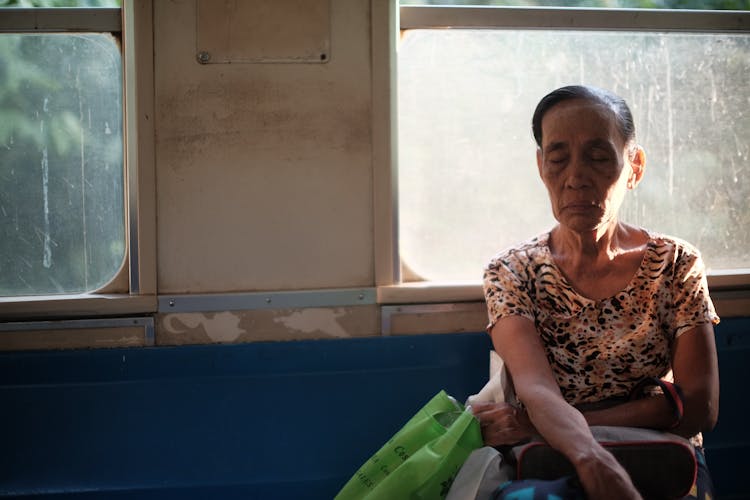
(61, 163)
(468, 180)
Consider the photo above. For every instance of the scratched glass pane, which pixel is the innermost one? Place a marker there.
(468, 181)
(61, 163)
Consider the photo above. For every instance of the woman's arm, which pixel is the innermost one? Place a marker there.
(696, 371)
(562, 426)
(651, 412)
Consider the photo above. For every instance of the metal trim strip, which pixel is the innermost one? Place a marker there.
(267, 300)
(560, 18)
(131, 140)
(20, 20)
(80, 324)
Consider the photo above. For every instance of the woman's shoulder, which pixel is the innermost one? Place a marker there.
(665, 244)
(670, 256)
(528, 251)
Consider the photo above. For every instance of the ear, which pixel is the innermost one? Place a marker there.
(539, 160)
(637, 161)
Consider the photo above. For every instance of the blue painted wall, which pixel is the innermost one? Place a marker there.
(264, 420)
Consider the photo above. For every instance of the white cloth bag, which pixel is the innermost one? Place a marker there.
(499, 387)
(485, 469)
(480, 476)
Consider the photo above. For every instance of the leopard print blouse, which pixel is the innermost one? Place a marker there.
(599, 349)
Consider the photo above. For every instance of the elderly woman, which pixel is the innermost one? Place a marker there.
(583, 313)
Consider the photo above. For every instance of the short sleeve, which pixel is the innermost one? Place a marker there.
(505, 293)
(692, 303)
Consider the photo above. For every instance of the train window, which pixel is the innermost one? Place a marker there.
(61, 159)
(468, 181)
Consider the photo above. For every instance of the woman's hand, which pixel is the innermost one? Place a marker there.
(602, 477)
(502, 423)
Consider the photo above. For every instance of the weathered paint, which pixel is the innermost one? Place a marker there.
(308, 321)
(267, 325)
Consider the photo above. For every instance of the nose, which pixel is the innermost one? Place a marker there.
(577, 174)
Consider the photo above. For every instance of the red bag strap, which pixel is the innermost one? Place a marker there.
(671, 391)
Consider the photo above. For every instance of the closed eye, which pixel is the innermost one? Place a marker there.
(557, 159)
(599, 154)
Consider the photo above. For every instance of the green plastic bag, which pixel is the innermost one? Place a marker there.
(422, 459)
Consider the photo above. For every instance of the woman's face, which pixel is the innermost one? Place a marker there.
(584, 163)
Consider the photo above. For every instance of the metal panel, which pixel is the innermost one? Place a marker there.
(437, 310)
(263, 31)
(77, 334)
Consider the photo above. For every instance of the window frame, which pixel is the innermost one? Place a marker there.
(133, 288)
(392, 287)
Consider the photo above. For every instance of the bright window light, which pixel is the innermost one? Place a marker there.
(468, 182)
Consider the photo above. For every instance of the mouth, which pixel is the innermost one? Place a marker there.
(580, 205)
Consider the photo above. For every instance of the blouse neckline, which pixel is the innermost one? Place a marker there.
(544, 243)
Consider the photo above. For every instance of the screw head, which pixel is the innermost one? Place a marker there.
(203, 57)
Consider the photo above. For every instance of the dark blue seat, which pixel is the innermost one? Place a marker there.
(265, 420)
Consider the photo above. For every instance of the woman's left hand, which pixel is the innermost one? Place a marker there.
(502, 423)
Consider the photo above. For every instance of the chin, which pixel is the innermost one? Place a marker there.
(581, 224)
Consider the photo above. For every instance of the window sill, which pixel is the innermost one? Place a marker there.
(75, 306)
(729, 280)
(427, 292)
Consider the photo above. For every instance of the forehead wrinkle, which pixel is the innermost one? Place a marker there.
(600, 143)
(582, 115)
(597, 142)
(555, 146)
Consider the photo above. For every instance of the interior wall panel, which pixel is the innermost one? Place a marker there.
(264, 175)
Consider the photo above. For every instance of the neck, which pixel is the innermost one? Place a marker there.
(602, 245)
(598, 263)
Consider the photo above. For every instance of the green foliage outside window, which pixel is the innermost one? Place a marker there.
(61, 163)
